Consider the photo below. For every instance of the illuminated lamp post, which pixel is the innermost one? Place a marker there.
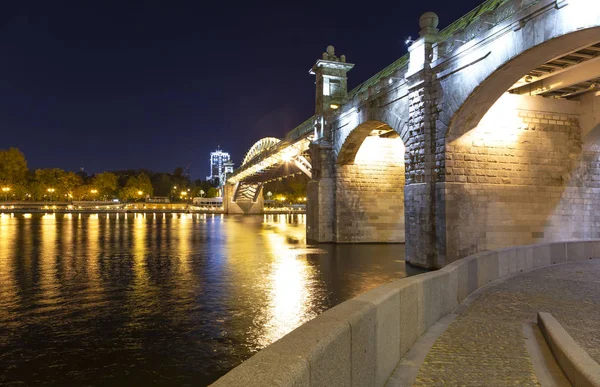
(172, 195)
(140, 193)
(6, 190)
(51, 192)
(94, 192)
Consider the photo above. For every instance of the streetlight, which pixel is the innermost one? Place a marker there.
(184, 195)
(201, 193)
(51, 191)
(94, 192)
(269, 194)
(6, 190)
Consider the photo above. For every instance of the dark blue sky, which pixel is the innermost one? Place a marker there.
(159, 84)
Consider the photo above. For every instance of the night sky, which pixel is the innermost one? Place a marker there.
(159, 84)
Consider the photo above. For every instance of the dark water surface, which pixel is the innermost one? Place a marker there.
(88, 299)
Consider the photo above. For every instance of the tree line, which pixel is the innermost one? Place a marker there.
(18, 182)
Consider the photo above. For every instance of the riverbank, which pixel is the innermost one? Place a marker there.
(101, 207)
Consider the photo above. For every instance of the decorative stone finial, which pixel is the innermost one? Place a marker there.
(343, 58)
(331, 50)
(429, 22)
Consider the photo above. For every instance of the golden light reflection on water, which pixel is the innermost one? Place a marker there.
(93, 252)
(70, 264)
(205, 290)
(183, 235)
(8, 291)
(139, 252)
(291, 298)
(49, 284)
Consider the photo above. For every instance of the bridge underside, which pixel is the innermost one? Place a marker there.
(530, 171)
(243, 198)
(244, 191)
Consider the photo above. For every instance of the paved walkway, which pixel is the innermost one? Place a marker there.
(486, 346)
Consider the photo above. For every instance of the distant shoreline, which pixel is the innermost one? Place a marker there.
(132, 211)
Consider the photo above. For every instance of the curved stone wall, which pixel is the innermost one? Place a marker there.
(360, 342)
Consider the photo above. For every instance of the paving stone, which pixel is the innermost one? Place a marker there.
(485, 345)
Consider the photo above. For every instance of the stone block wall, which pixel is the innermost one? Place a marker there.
(521, 177)
(370, 193)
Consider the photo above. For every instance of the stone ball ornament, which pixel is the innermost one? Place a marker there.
(429, 20)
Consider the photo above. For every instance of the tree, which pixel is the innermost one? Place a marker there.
(178, 172)
(161, 184)
(137, 187)
(212, 192)
(49, 178)
(13, 167)
(68, 181)
(106, 184)
(84, 192)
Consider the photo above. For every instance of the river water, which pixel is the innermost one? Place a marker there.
(173, 299)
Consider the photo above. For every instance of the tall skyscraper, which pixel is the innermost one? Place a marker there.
(220, 165)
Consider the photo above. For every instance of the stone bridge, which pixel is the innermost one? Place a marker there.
(485, 135)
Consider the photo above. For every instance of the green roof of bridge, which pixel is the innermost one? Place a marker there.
(471, 17)
(386, 72)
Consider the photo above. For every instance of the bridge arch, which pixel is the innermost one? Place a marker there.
(521, 167)
(499, 65)
(369, 180)
(261, 146)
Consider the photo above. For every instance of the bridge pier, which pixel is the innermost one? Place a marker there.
(320, 193)
(243, 198)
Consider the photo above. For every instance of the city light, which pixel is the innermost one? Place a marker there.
(140, 193)
(6, 190)
(334, 106)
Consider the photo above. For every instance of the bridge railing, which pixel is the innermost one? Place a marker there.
(300, 131)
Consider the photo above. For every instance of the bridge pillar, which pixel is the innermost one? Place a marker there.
(320, 191)
(424, 201)
(243, 198)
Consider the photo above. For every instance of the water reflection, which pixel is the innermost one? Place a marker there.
(163, 299)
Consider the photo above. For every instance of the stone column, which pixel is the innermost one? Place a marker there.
(320, 208)
(331, 93)
(424, 189)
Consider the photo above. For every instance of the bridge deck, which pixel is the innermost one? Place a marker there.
(485, 345)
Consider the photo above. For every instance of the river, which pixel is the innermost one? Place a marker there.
(164, 299)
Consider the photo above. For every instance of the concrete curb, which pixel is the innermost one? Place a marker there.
(576, 363)
(361, 341)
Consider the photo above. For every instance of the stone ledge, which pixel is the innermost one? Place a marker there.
(361, 341)
(576, 363)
